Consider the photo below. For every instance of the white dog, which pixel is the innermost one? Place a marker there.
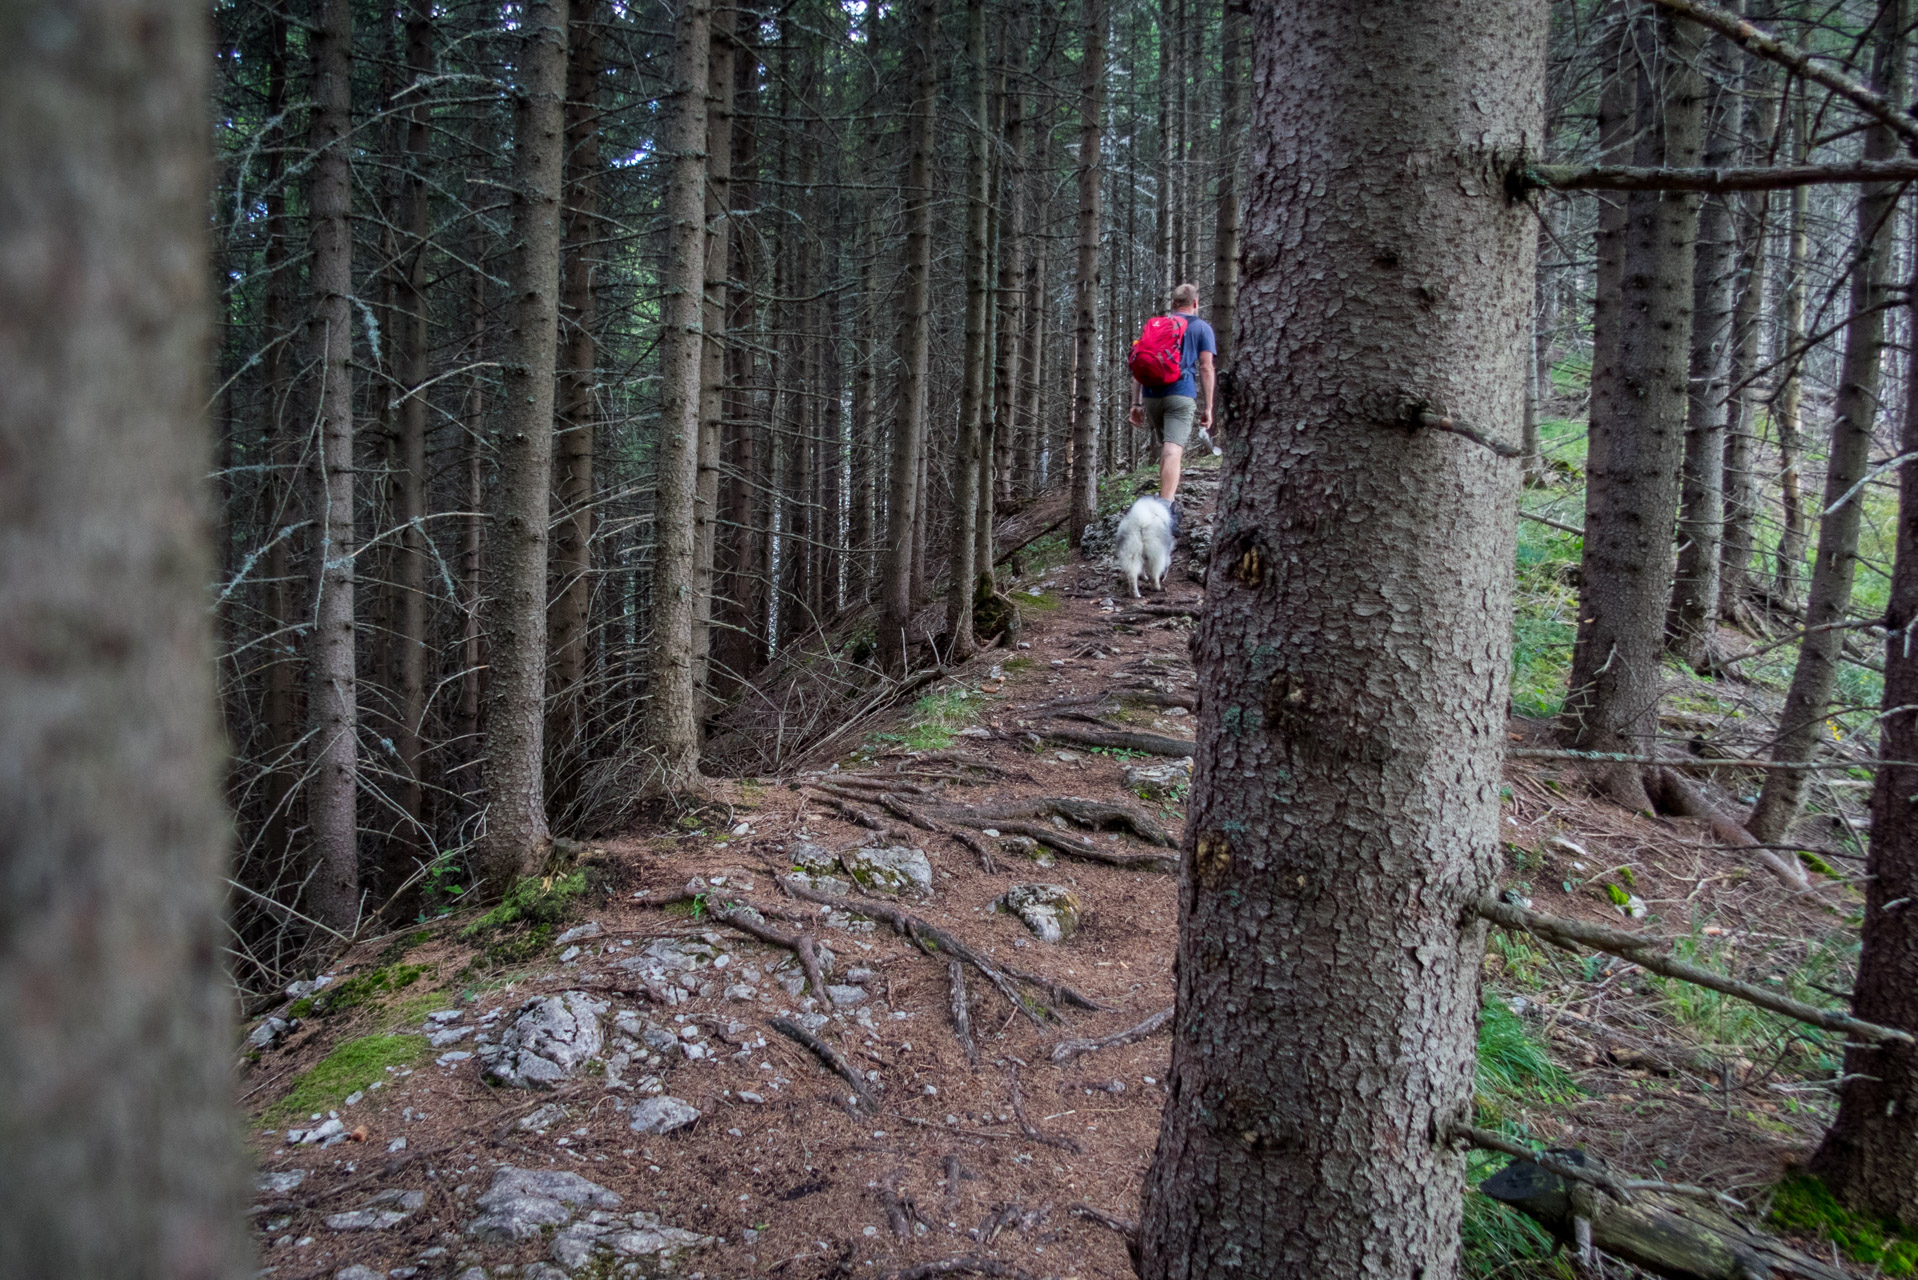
(1144, 542)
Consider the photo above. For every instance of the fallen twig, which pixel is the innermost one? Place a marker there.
(1030, 1129)
(1067, 1050)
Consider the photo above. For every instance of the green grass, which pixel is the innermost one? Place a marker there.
(1544, 616)
(358, 990)
(1730, 1024)
(1804, 1205)
(935, 718)
(351, 1066)
(1512, 1068)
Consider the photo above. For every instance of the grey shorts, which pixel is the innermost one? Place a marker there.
(1171, 418)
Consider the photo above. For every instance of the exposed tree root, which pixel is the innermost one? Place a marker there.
(1678, 795)
(828, 1055)
(961, 1014)
(898, 808)
(1067, 1050)
(1100, 815)
(1053, 838)
(1032, 1130)
(801, 945)
(1151, 744)
(966, 1265)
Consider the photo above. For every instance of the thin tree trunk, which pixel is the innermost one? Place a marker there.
(1013, 251)
(1085, 287)
(671, 732)
(904, 525)
(333, 691)
(712, 372)
(122, 1159)
(736, 648)
(1790, 560)
(1617, 107)
(1612, 703)
(1869, 1156)
(415, 367)
(568, 616)
(1741, 497)
(1032, 439)
(1225, 258)
(972, 388)
(1346, 793)
(1807, 701)
(466, 721)
(516, 838)
(1692, 622)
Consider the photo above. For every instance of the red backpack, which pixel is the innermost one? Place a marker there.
(1158, 356)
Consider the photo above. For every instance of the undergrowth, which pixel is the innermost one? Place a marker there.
(1804, 1205)
(523, 923)
(934, 719)
(1513, 1069)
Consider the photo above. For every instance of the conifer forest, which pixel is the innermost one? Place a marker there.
(615, 660)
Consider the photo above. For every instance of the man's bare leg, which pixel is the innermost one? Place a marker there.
(1169, 456)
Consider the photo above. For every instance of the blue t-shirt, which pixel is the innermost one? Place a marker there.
(1198, 337)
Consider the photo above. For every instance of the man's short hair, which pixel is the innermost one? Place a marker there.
(1185, 295)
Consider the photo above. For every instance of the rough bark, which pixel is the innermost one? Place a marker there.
(332, 689)
(671, 731)
(568, 614)
(712, 360)
(1828, 602)
(1869, 1156)
(972, 390)
(1632, 484)
(466, 719)
(1692, 621)
(1225, 256)
(121, 1156)
(1788, 411)
(1010, 294)
(410, 480)
(1084, 473)
(516, 838)
(1617, 104)
(1032, 439)
(903, 523)
(1347, 786)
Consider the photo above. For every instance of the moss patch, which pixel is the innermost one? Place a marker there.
(534, 900)
(1804, 1205)
(353, 1065)
(359, 989)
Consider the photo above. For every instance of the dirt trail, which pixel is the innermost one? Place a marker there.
(987, 1158)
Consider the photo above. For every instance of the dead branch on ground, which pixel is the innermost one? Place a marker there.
(828, 1055)
(1030, 1129)
(1151, 744)
(1067, 1050)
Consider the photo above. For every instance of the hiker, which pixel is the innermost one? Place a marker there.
(1171, 404)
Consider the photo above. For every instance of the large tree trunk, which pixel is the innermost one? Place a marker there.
(410, 489)
(121, 1158)
(1085, 284)
(1346, 800)
(568, 615)
(1010, 294)
(712, 360)
(1625, 582)
(972, 388)
(903, 524)
(1692, 622)
(671, 731)
(1032, 343)
(1870, 1155)
(333, 690)
(1789, 563)
(516, 839)
(1617, 107)
(1807, 702)
(735, 647)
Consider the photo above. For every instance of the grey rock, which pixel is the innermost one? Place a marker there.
(740, 991)
(662, 1115)
(1159, 781)
(590, 929)
(357, 1273)
(893, 869)
(1050, 910)
(807, 856)
(846, 995)
(444, 1016)
(642, 1236)
(550, 1039)
(1100, 536)
(659, 1039)
(326, 1133)
(297, 990)
(280, 1184)
(270, 1032)
(550, 1114)
(522, 1201)
(452, 1035)
(542, 1271)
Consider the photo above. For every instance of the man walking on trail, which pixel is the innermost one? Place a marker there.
(1172, 408)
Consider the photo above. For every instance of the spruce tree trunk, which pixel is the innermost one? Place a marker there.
(568, 616)
(1225, 256)
(1692, 621)
(904, 528)
(1617, 107)
(410, 574)
(1011, 292)
(1807, 701)
(735, 646)
(1790, 553)
(332, 689)
(1084, 481)
(1345, 806)
(466, 719)
(1032, 341)
(1632, 504)
(122, 1160)
(671, 731)
(516, 838)
(712, 360)
(972, 388)
(1869, 1157)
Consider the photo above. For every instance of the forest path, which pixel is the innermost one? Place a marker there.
(958, 1158)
